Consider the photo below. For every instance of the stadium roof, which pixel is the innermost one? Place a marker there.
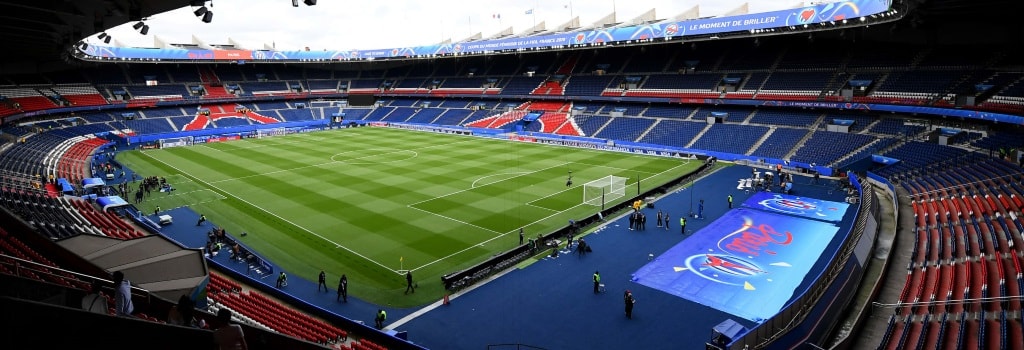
(37, 31)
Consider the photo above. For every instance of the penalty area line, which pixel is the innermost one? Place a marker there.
(337, 245)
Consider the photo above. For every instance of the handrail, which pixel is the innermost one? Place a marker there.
(945, 302)
(36, 267)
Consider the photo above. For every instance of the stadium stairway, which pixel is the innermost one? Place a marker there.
(216, 91)
(549, 87)
(699, 135)
(760, 141)
(799, 144)
(570, 63)
(892, 234)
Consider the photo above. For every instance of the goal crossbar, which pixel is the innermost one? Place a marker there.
(604, 190)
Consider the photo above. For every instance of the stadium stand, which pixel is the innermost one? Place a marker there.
(962, 287)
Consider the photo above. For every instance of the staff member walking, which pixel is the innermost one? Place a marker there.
(343, 289)
(597, 282)
(408, 282)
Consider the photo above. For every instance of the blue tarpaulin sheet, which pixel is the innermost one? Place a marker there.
(92, 182)
(111, 202)
(65, 186)
(803, 207)
(747, 263)
(883, 159)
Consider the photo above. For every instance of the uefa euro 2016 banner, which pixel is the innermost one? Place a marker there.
(747, 263)
(821, 13)
(803, 207)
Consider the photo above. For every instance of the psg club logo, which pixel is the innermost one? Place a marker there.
(722, 268)
(580, 37)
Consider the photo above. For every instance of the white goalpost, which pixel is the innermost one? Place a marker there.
(261, 133)
(604, 190)
(175, 142)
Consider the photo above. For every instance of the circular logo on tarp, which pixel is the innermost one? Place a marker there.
(722, 268)
(788, 205)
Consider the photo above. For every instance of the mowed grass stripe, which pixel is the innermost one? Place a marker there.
(456, 201)
(307, 206)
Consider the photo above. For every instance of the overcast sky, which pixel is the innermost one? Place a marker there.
(375, 24)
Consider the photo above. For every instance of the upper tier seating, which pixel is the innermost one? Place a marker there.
(730, 138)
(825, 147)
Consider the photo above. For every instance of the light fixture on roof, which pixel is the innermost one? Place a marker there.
(204, 13)
(105, 37)
(142, 27)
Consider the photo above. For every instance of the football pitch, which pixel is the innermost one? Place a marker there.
(373, 202)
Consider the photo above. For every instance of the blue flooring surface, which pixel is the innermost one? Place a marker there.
(550, 304)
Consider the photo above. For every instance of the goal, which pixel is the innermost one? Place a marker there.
(261, 133)
(175, 142)
(604, 190)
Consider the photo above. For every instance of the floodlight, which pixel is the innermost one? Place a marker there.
(138, 25)
(144, 30)
(310, 2)
(295, 3)
(208, 17)
(101, 36)
(201, 11)
(106, 40)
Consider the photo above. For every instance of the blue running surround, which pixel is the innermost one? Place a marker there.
(803, 207)
(747, 263)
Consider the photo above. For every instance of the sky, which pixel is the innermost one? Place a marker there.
(376, 24)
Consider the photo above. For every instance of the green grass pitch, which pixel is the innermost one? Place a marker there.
(371, 202)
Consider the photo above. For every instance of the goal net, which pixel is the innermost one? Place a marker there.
(261, 133)
(604, 190)
(175, 142)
